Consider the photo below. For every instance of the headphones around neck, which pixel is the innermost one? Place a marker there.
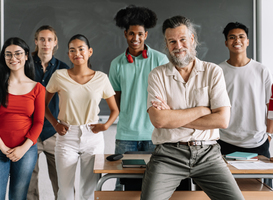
(130, 58)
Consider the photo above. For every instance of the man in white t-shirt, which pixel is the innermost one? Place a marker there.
(249, 87)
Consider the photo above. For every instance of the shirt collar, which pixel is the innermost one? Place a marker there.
(198, 67)
(172, 71)
(148, 49)
(38, 60)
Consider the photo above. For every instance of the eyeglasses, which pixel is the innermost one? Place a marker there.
(17, 55)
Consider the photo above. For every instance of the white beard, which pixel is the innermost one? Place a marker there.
(184, 61)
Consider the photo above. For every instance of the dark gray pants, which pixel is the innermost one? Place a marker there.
(170, 164)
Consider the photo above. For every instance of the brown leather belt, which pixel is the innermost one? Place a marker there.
(195, 143)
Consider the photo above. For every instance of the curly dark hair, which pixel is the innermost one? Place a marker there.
(133, 15)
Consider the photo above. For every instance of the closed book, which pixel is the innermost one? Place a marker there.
(241, 155)
(133, 163)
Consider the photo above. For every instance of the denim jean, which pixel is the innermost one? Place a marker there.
(19, 172)
(123, 146)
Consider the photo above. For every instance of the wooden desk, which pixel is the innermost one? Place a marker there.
(251, 188)
(252, 173)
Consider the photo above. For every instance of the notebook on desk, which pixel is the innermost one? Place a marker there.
(133, 163)
(242, 156)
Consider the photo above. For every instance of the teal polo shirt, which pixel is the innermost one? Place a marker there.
(131, 79)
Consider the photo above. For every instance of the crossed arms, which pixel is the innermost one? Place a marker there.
(202, 118)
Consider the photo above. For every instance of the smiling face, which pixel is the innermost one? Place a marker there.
(79, 52)
(136, 35)
(180, 44)
(46, 42)
(15, 57)
(237, 41)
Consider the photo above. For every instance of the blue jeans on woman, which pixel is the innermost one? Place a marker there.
(20, 173)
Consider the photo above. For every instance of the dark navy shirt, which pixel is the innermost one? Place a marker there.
(43, 78)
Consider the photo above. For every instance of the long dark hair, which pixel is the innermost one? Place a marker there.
(85, 40)
(5, 71)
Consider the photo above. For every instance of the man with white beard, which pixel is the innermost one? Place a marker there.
(187, 104)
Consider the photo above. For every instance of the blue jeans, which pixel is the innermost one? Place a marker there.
(123, 146)
(20, 173)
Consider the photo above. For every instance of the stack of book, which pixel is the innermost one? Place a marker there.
(242, 156)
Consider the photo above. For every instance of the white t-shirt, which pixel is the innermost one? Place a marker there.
(79, 103)
(205, 87)
(249, 90)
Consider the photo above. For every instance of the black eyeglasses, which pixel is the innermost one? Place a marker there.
(17, 55)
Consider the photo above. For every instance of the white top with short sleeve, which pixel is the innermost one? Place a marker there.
(79, 103)
(249, 90)
(205, 87)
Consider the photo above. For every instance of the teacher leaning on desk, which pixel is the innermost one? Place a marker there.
(186, 134)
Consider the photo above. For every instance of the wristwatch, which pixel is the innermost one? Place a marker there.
(270, 135)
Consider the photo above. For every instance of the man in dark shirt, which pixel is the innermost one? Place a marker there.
(46, 64)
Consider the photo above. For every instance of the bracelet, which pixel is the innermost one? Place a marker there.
(58, 122)
(270, 135)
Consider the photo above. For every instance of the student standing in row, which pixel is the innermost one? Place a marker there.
(129, 78)
(22, 102)
(46, 64)
(80, 136)
(249, 88)
(186, 134)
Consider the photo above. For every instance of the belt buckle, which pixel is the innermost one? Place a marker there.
(194, 143)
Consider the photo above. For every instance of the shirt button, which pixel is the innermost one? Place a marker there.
(43, 80)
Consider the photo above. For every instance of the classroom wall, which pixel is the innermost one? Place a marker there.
(266, 45)
(94, 19)
(266, 33)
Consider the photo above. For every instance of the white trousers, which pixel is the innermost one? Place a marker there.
(79, 143)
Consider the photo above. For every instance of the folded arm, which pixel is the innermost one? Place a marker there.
(176, 118)
(201, 118)
(219, 118)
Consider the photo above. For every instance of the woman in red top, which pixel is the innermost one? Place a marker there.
(21, 118)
